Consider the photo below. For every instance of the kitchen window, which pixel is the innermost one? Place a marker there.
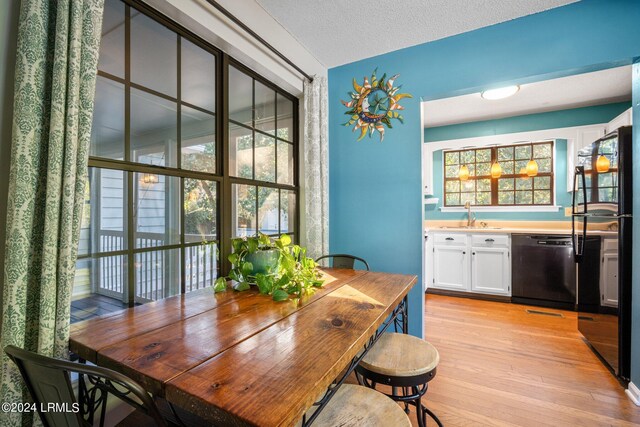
(189, 149)
(513, 188)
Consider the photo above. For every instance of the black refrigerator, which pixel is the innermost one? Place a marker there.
(602, 239)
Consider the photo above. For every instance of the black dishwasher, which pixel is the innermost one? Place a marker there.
(543, 271)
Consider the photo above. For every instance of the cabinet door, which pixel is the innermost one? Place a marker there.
(490, 271)
(610, 280)
(451, 268)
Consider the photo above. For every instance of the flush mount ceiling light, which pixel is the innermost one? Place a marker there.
(500, 93)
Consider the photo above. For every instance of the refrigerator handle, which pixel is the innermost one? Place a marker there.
(578, 241)
(579, 175)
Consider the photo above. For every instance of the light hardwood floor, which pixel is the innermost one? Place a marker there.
(501, 366)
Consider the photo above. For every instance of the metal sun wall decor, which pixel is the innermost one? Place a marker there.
(374, 104)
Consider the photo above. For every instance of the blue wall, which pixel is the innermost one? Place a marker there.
(635, 332)
(375, 188)
(528, 122)
(563, 198)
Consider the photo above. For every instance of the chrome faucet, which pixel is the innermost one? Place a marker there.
(471, 218)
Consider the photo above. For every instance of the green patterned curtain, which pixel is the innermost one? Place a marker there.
(57, 58)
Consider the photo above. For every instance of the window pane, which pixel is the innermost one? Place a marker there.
(112, 42)
(157, 274)
(544, 165)
(523, 152)
(452, 186)
(521, 167)
(451, 158)
(467, 197)
(483, 198)
(505, 184)
(507, 168)
(265, 158)
(153, 129)
(542, 182)
(453, 199)
(523, 183)
(505, 153)
(107, 131)
(200, 210)
(198, 76)
(198, 141)
(542, 197)
(154, 58)
(244, 206)
(240, 97)
(285, 118)
(104, 216)
(285, 163)
(287, 211)
(452, 171)
(156, 210)
(265, 108)
(472, 169)
(468, 156)
(524, 197)
(541, 151)
(483, 169)
(468, 186)
(268, 210)
(240, 152)
(483, 155)
(99, 287)
(201, 266)
(484, 185)
(506, 198)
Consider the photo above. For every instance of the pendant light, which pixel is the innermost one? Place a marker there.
(463, 173)
(496, 170)
(532, 166)
(149, 178)
(603, 164)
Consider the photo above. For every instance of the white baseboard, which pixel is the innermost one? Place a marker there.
(634, 393)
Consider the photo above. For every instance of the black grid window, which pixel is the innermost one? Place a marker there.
(513, 188)
(187, 148)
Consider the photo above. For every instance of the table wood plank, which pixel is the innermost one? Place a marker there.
(271, 378)
(155, 357)
(87, 338)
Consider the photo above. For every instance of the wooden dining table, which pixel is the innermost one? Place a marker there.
(239, 358)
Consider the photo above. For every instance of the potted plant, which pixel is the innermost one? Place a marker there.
(277, 267)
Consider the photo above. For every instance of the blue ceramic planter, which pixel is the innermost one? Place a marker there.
(264, 262)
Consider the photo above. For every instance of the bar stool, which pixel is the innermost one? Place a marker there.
(406, 364)
(357, 406)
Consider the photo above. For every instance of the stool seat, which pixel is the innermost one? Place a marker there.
(401, 355)
(357, 406)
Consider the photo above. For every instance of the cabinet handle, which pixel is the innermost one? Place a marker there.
(489, 240)
(473, 253)
(464, 253)
(449, 238)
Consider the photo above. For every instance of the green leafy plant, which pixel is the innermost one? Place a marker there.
(294, 274)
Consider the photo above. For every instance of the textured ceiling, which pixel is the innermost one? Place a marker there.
(337, 32)
(581, 90)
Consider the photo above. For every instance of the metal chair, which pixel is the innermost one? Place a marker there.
(49, 382)
(343, 261)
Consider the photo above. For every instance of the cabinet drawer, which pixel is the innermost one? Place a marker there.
(450, 239)
(490, 240)
(610, 245)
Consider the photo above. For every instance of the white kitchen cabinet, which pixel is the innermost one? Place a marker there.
(624, 119)
(451, 268)
(609, 273)
(490, 271)
(477, 263)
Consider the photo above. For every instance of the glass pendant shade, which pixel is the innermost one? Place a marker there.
(532, 168)
(463, 173)
(496, 170)
(149, 178)
(603, 164)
